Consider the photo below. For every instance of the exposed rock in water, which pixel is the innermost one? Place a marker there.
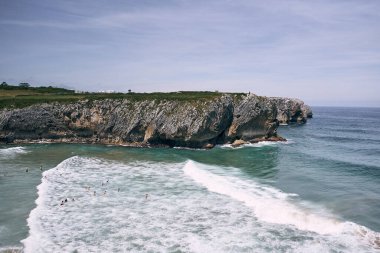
(292, 110)
(196, 124)
(238, 143)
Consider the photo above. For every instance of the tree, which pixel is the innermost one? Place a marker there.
(3, 84)
(24, 85)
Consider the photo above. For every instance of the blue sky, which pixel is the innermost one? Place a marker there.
(324, 52)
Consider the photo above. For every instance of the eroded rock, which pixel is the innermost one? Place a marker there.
(197, 124)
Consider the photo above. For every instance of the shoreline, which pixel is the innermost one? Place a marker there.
(236, 143)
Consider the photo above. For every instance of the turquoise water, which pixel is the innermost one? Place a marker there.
(318, 192)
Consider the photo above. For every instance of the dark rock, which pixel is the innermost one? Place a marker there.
(292, 110)
(167, 123)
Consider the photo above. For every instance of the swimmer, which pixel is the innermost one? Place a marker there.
(41, 168)
(27, 170)
(146, 195)
(65, 200)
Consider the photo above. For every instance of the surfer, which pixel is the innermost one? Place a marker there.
(27, 170)
(40, 167)
(146, 195)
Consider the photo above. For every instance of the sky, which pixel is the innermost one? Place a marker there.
(325, 52)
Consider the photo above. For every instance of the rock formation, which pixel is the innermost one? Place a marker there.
(292, 110)
(204, 123)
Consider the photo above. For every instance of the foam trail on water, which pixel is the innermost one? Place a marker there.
(178, 216)
(272, 205)
(269, 205)
(6, 152)
(258, 144)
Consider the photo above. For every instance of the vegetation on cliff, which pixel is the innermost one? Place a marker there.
(23, 96)
(187, 119)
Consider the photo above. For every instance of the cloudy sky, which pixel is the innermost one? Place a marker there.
(324, 52)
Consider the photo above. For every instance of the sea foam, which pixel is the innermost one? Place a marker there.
(268, 204)
(189, 208)
(13, 151)
(257, 145)
(274, 206)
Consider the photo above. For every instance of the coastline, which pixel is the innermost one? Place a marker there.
(236, 143)
(310, 165)
(225, 119)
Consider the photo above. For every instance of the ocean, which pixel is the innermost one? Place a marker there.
(317, 192)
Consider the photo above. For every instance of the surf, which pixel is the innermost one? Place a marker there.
(12, 152)
(274, 206)
(190, 208)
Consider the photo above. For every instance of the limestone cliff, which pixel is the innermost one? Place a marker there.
(292, 110)
(223, 119)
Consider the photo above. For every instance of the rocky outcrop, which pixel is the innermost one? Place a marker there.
(292, 110)
(223, 119)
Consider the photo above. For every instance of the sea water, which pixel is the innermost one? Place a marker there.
(317, 192)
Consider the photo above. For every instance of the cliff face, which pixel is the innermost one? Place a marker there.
(224, 119)
(292, 110)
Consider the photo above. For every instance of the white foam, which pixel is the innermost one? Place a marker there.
(7, 152)
(179, 214)
(273, 206)
(257, 145)
(269, 205)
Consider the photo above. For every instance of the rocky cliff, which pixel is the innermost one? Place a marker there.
(226, 118)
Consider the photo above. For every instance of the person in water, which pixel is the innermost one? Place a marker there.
(27, 170)
(146, 195)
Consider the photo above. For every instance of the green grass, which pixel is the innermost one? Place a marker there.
(23, 97)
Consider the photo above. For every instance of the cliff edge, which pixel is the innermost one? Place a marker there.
(227, 118)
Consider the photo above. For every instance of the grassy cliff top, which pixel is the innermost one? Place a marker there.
(19, 97)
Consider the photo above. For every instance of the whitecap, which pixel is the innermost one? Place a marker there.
(274, 206)
(188, 209)
(256, 145)
(12, 152)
